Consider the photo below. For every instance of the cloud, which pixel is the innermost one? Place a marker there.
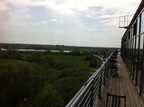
(88, 17)
(39, 23)
(91, 8)
(3, 6)
(56, 20)
(48, 21)
(92, 29)
(74, 6)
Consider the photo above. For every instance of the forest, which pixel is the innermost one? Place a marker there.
(43, 79)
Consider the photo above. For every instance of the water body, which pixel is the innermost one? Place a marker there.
(31, 50)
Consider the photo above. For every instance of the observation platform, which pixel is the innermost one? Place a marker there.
(121, 85)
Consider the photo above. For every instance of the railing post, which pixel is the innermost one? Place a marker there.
(104, 72)
(92, 94)
(99, 96)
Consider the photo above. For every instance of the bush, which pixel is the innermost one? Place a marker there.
(49, 97)
(18, 56)
(89, 57)
(76, 52)
(28, 58)
(70, 81)
(15, 84)
(62, 64)
(49, 60)
(93, 63)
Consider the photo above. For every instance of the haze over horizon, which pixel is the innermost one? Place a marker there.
(64, 22)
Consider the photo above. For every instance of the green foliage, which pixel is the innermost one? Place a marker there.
(89, 57)
(70, 81)
(8, 54)
(28, 58)
(17, 55)
(62, 65)
(67, 87)
(20, 80)
(37, 57)
(28, 80)
(41, 79)
(76, 52)
(30, 73)
(73, 60)
(15, 84)
(93, 63)
(49, 60)
(49, 97)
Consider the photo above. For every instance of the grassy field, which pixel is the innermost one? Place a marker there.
(9, 61)
(24, 77)
(78, 60)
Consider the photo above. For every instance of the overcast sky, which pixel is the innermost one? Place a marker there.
(64, 22)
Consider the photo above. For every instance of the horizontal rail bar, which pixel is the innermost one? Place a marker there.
(94, 82)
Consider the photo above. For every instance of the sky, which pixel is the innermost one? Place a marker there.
(64, 22)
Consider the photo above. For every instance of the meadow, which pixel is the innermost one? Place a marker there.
(41, 79)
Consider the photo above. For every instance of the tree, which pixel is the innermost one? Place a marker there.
(89, 57)
(10, 52)
(49, 60)
(76, 52)
(49, 97)
(93, 63)
(70, 81)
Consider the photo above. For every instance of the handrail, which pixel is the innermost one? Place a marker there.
(89, 92)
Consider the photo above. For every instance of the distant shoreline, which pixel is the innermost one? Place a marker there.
(48, 45)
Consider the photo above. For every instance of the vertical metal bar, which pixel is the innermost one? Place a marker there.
(116, 101)
(107, 68)
(104, 72)
(113, 101)
(99, 96)
(125, 102)
(92, 94)
(119, 102)
(138, 60)
(142, 72)
(134, 57)
(107, 100)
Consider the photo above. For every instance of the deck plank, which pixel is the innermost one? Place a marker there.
(122, 85)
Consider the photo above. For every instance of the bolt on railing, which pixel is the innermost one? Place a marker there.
(91, 90)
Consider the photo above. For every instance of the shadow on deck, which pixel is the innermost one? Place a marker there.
(121, 85)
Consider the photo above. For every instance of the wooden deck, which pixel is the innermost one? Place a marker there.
(121, 85)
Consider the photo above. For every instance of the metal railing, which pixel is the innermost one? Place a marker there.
(92, 89)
